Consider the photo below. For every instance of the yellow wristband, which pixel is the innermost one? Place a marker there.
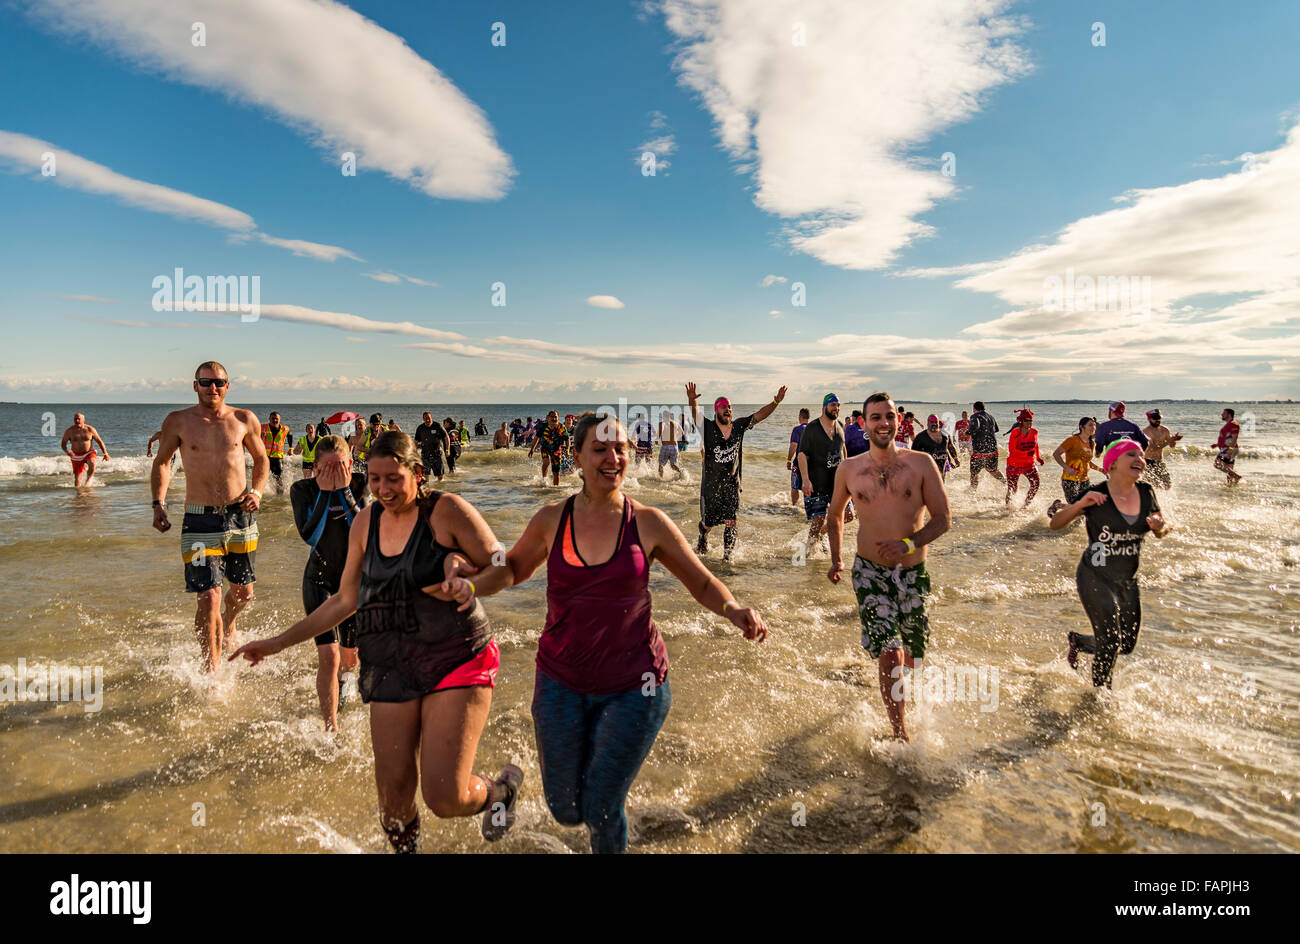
(728, 603)
(471, 585)
(911, 547)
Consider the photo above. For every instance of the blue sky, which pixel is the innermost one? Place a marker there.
(816, 162)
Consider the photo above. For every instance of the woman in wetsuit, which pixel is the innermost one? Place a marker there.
(601, 691)
(1119, 512)
(323, 509)
(428, 659)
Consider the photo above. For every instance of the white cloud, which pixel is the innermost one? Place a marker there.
(775, 313)
(828, 129)
(396, 278)
(343, 322)
(604, 301)
(323, 69)
(24, 154)
(300, 247)
(770, 280)
(87, 298)
(121, 323)
(661, 142)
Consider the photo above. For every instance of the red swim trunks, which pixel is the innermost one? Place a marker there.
(80, 462)
(480, 670)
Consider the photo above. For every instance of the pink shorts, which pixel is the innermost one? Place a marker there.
(480, 670)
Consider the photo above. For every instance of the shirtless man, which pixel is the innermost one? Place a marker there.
(501, 438)
(890, 488)
(1157, 473)
(79, 443)
(219, 532)
(670, 432)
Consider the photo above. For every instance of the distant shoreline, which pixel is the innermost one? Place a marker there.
(548, 403)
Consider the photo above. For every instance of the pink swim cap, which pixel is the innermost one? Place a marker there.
(720, 403)
(1115, 450)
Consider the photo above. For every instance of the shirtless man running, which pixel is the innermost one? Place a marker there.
(1160, 439)
(890, 488)
(79, 443)
(219, 532)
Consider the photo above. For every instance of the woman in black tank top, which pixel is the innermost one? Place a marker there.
(428, 659)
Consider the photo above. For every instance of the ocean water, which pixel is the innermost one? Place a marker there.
(778, 747)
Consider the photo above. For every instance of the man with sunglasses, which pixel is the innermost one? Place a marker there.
(219, 531)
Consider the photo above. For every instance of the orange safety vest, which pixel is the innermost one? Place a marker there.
(274, 441)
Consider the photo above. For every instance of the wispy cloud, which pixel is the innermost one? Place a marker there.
(23, 154)
(321, 68)
(122, 323)
(341, 321)
(661, 142)
(88, 298)
(829, 128)
(396, 278)
(604, 301)
(770, 280)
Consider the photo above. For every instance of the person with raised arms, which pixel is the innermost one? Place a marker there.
(78, 443)
(891, 489)
(1119, 512)
(428, 658)
(721, 459)
(602, 692)
(219, 531)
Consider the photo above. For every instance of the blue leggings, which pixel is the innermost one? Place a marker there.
(590, 748)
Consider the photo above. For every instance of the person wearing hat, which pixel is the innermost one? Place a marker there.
(938, 444)
(821, 450)
(721, 465)
(1117, 427)
(1118, 512)
(1159, 438)
(1022, 453)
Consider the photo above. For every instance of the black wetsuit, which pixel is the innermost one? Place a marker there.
(1107, 579)
(323, 520)
(408, 641)
(433, 443)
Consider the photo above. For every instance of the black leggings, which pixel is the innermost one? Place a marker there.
(1115, 611)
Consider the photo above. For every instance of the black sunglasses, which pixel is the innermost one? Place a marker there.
(212, 381)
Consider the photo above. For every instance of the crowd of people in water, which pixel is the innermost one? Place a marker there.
(396, 570)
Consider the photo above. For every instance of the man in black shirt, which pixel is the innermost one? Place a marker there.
(983, 445)
(323, 509)
(432, 441)
(821, 449)
(938, 444)
(720, 475)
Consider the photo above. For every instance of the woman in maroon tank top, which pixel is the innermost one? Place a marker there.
(602, 690)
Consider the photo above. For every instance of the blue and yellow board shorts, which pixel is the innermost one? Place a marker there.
(891, 604)
(218, 544)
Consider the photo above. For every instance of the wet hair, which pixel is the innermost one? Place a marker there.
(855, 414)
(878, 397)
(978, 405)
(335, 444)
(1230, 411)
(804, 413)
(909, 415)
(376, 417)
(401, 449)
(209, 365)
(586, 423)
